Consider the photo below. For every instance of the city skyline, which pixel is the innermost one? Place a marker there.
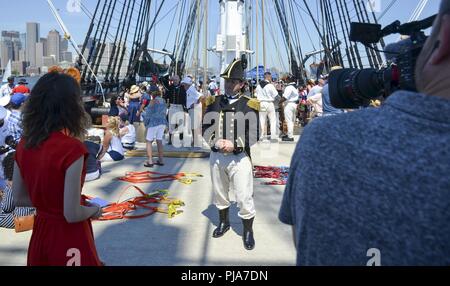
(32, 51)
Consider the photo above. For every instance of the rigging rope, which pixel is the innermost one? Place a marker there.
(386, 10)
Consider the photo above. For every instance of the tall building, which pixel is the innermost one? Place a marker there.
(32, 39)
(6, 52)
(23, 49)
(40, 54)
(22, 55)
(32, 71)
(64, 45)
(67, 57)
(23, 40)
(53, 45)
(48, 61)
(18, 67)
(10, 47)
(45, 46)
(104, 63)
(11, 35)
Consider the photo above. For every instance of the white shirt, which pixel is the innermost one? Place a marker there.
(317, 103)
(291, 93)
(5, 90)
(130, 137)
(192, 96)
(116, 145)
(268, 93)
(259, 93)
(315, 90)
(213, 86)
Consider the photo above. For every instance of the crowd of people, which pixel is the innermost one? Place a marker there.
(12, 99)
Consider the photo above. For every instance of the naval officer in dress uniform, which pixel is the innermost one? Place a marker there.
(231, 127)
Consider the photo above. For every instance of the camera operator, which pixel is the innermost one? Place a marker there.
(381, 179)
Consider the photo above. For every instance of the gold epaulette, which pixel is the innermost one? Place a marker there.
(375, 103)
(253, 103)
(210, 100)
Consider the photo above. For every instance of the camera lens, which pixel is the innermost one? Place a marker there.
(352, 88)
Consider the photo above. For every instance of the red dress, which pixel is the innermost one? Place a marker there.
(43, 170)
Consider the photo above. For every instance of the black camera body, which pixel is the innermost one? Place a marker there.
(353, 88)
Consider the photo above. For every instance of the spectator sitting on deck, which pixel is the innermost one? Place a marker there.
(127, 133)
(7, 209)
(93, 165)
(112, 145)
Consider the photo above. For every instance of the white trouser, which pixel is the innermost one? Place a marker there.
(268, 110)
(233, 172)
(173, 121)
(290, 112)
(195, 123)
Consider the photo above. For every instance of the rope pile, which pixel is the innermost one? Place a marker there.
(152, 177)
(279, 174)
(150, 203)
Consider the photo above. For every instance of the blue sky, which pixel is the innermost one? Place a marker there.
(16, 15)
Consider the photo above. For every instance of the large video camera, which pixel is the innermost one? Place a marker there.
(352, 88)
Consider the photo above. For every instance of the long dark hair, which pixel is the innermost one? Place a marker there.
(54, 105)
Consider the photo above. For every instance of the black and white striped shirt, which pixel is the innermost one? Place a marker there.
(8, 211)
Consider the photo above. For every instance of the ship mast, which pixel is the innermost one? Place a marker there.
(231, 41)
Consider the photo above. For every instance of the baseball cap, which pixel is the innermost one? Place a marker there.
(18, 98)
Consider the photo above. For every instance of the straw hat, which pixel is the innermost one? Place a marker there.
(134, 89)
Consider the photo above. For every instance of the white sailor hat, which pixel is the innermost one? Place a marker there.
(5, 100)
(187, 80)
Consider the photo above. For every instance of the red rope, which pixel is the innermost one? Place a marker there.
(122, 210)
(280, 174)
(151, 177)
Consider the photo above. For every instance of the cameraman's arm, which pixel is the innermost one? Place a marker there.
(20, 193)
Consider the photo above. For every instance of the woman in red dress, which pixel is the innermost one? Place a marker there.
(49, 174)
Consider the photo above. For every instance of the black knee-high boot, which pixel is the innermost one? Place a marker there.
(247, 237)
(224, 224)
